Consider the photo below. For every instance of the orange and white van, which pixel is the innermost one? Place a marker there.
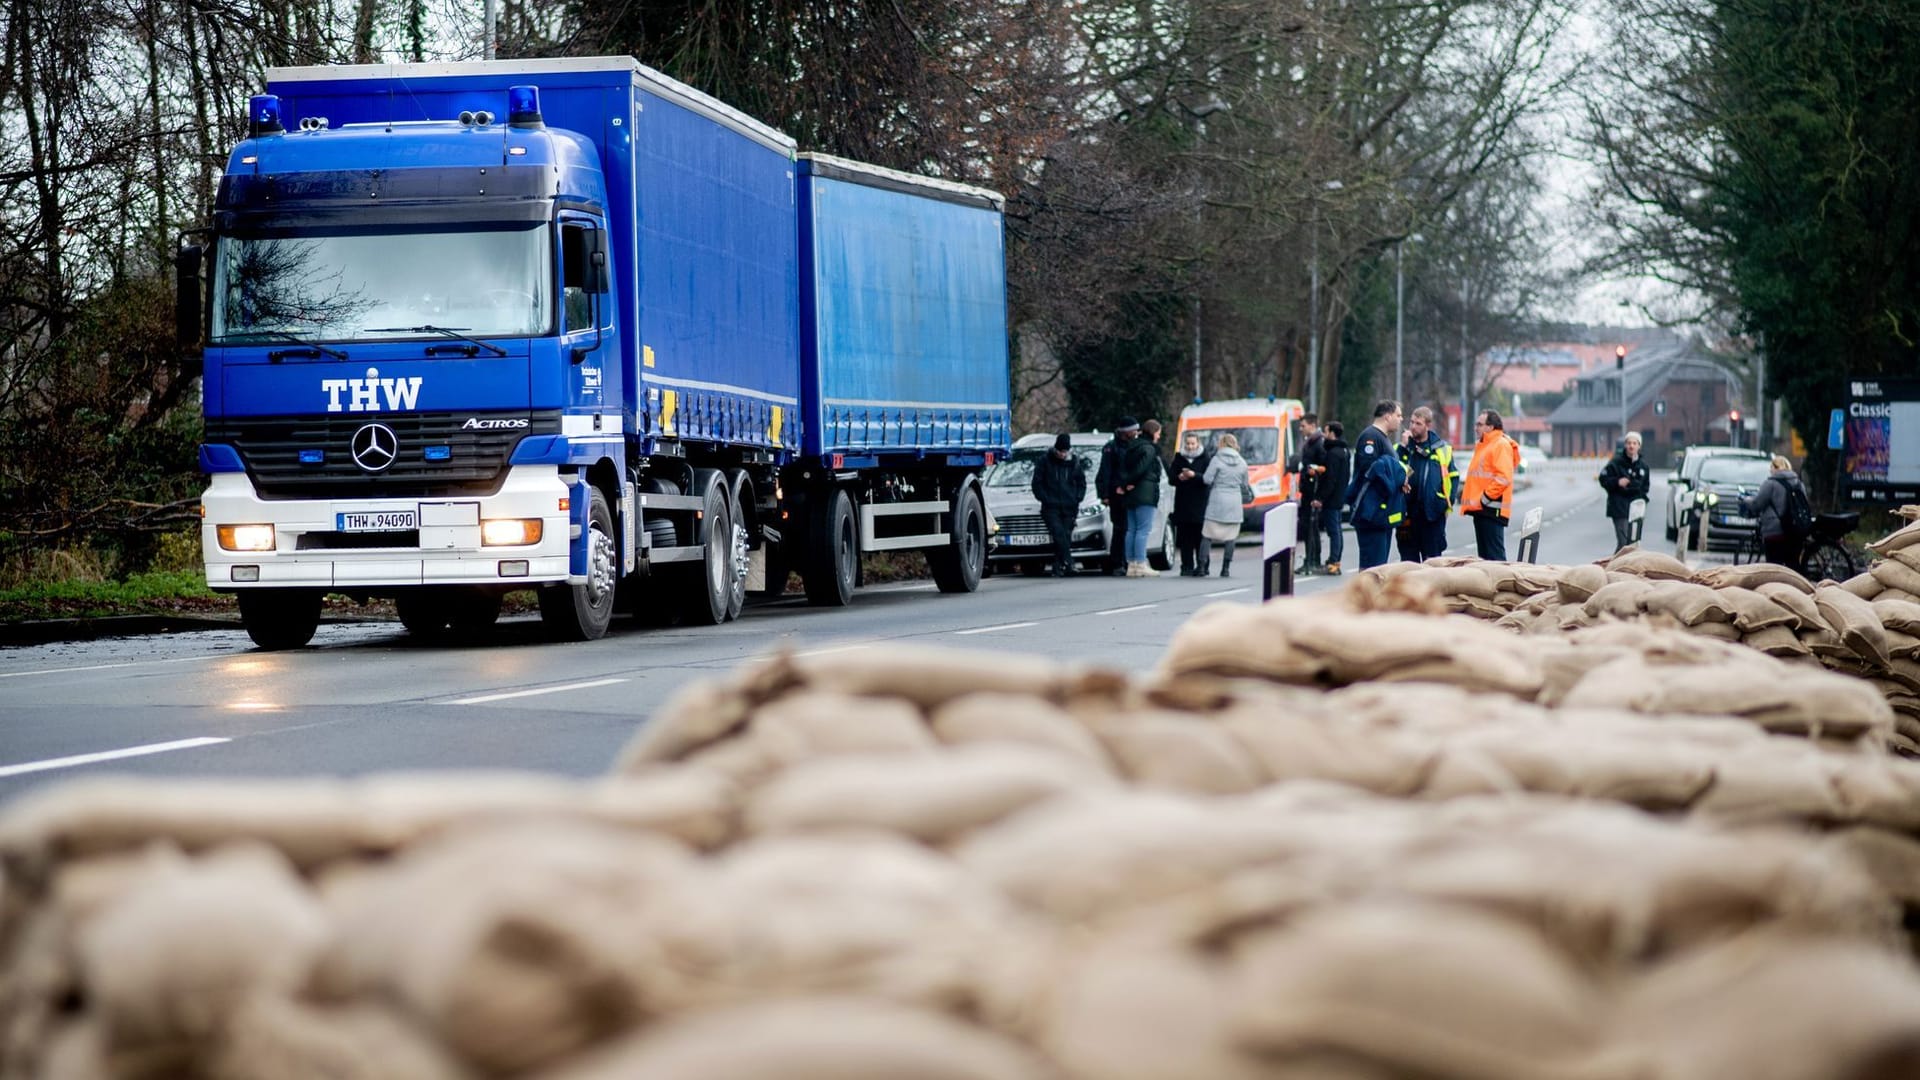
(1268, 430)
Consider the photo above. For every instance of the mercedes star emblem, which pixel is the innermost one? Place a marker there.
(374, 447)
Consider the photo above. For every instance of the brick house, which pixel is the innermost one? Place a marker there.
(1675, 398)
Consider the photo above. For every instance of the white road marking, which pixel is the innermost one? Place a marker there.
(835, 649)
(991, 629)
(103, 667)
(109, 755)
(1235, 592)
(484, 698)
(1124, 610)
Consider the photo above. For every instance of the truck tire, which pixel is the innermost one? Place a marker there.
(740, 512)
(280, 618)
(582, 612)
(424, 612)
(471, 611)
(833, 552)
(956, 567)
(706, 585)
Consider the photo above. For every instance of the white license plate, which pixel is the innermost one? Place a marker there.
(1028, 541)
(377, 521)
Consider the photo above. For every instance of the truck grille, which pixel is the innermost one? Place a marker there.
(476, 460)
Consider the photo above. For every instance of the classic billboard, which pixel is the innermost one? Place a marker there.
(1881, 456)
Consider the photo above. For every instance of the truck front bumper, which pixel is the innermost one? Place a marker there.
(311, 549)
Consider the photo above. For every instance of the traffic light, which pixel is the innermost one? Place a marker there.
(1619, 358)
(1733, 427)
(1733, 417)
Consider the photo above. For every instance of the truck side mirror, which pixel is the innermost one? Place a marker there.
(186, 294)
(597, 281)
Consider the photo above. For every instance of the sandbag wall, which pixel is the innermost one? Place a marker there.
(1344, 838)
(1867, 627)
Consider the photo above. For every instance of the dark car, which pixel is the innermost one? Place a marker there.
(1723, 481)
(1686, 474)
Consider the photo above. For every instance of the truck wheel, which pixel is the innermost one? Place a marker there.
(739, 512)
(424, 612)
(956, 567)
(1162, 560)
(280, 618)
(705, 592)
(582, 612)
(833, 553)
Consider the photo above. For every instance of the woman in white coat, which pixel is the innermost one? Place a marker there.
(1226, 477)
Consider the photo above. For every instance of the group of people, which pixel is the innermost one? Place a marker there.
(1395, 484)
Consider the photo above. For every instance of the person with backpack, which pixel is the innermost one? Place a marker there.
(1625, 479)
(1784, 512)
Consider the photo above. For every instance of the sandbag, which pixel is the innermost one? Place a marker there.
(289, 1040)
(1885, 574)
(1012, 718)
(169, 961)
(1579, 583)
(1752, 576)
(1798, 601)
(1689, 603)
(1652, 565)
(1621, 599)
(808, 1038)
(931, 799)
(1855, 621)
(1403, 988)
(809, 723)
(930, 677)
(1775, 641)
(1898, 615)
(1776, 1006)
(1896, 541)
(1754, 611)
(1797, 701)
(1454, 581)
(1719, 631)
(1299, 746)
(1177, 752)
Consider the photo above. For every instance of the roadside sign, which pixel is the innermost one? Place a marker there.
(1837, 429)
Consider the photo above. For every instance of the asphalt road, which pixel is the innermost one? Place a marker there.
(364, 698)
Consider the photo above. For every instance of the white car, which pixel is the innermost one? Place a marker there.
(1021, 539)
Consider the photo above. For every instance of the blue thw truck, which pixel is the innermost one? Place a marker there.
(572, 326)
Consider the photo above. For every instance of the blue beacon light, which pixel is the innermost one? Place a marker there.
(523, 106)
(263, 115)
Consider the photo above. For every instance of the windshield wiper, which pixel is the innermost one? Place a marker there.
(449, 331)
(306, 348)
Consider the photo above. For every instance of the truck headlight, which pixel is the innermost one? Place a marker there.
(245, 537)
(509, 532)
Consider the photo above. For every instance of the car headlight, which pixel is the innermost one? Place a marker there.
(245, 537)
(1090, 511)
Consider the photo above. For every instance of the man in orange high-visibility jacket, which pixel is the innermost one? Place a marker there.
(1487, 497)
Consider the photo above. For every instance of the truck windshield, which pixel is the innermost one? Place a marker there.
(348, 285)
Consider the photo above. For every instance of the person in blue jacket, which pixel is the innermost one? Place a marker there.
(1377, 492)
(1431, 479)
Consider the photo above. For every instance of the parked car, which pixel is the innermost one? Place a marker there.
(1020, 538)
(1723, 480)
(1686, 474)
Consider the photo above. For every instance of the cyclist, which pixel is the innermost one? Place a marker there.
(1773, 506)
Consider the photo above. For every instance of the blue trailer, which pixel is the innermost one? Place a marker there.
(572, 326)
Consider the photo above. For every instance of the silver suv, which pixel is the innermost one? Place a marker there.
(1020, 538)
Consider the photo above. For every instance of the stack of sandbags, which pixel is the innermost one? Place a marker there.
(1301, 930)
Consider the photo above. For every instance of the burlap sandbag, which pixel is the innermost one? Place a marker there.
(1580, 582)
(1888, 574)
(1777, 1006)
(1752, 576)
(1753, 610)
(809, 1038)
(1517, 622)
(1898, 615)
(1902, 646)
(1136, 1006)
(1454, 581)
(1898, 594)
(289, 1040)
(1484, 610)
(1775, 641)
(1890, 858)
(1621, 599)
(1855, 621)
(860, 913)
(170, 960)
(1782, 698)
(511, 943)
(1411, 648)
(1896, 541)
(1011, 718)
(1595, 759)
(1652, 565)
(1331, 746)
(1404, 988)
(1177, 752)
(932, 799)
(1234, 639)
(1907, 556)
(930, 677)
(1719, 631)
(1690, 604)
(1798, 601)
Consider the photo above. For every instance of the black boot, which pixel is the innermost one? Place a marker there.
(1186, 562)
(1226, 561)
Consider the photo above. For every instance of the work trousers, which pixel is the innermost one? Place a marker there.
(1423, 540)
(1376, 546)
(1490, 533)
(1622, 532)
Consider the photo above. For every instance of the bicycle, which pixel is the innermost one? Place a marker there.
(1823, 554)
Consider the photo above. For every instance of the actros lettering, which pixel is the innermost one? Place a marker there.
(475, 423)
(364, 395)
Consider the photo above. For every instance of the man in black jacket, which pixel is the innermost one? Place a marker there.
(1625, 479)
(1108, 481)
(1330, 492)
(1309, 465)
(1060, 483)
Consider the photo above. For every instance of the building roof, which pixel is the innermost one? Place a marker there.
(1648, 372)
